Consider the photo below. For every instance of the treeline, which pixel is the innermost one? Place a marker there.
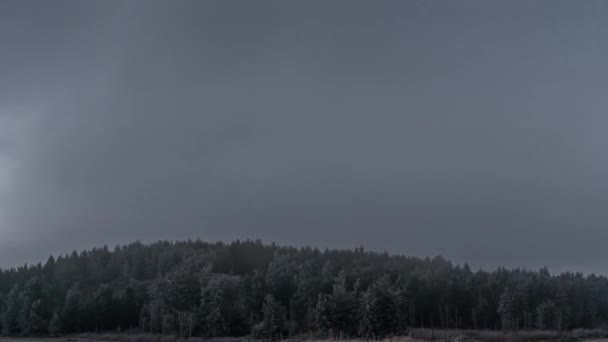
(194, 288)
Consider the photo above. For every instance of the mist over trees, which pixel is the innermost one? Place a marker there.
(194, 288)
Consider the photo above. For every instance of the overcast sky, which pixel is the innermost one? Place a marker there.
(477, 130)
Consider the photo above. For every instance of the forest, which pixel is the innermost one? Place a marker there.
(195, 288)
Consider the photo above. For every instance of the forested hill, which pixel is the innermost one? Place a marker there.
(215, 289)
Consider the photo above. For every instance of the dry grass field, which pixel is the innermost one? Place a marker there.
(416, 335)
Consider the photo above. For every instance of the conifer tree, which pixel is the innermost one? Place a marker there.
(25, 323)
(211, 308)
(72, 310)
(322, 313)
(273, 323)
(11, 312)
(342, 307)
(385, 310)
(55, 325)
(548, 316)
(366, 315)
(208, 289)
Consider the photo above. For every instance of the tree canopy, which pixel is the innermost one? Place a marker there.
(196, 288)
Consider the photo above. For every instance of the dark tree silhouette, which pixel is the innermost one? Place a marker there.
(194, 288)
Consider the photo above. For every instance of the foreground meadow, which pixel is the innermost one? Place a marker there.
(416, 335)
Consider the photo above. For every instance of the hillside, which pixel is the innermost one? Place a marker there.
(195, 288)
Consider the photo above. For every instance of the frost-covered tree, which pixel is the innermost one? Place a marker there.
(281, 278)
(548, 316)
(211, 308)
(72, 309)
(25, 323)
(513, 307)
(385, 310)
(157, 306)
(104, 307)
(273, 323)
(342, 306)
(379, 311)
(55, 325)
(10, 312)
(366, 315)
(35, 313)
(219, 289)
(322, 313)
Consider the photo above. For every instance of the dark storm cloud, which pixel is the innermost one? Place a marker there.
(472, 129)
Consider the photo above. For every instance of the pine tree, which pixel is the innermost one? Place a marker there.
(322, 313)
(513, 307)
(211, 308)
(38, 323)
(144, 318)
(168, 324)
(157, 305)
(385, 310)
(55, 325)
(403, 311)
(185, 323)
(273, 322)
(366, 315)
(25, 323)
(304, 283)
(505, 309)
(33, 316)
(104, 307)
(72, 310)
(281, 277)
(379, 311)
(342, 308)
(10, 314)
(548, 316)
(563, 308)
(124, 306)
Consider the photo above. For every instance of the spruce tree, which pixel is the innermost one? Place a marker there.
(385, 310)
(273, 323)
(548, 316)
(25, 322)
(72, 310)
(11, 313)
(55, 325)
(322, 313)
(210, 309)
(366, 314)
(342, 308)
